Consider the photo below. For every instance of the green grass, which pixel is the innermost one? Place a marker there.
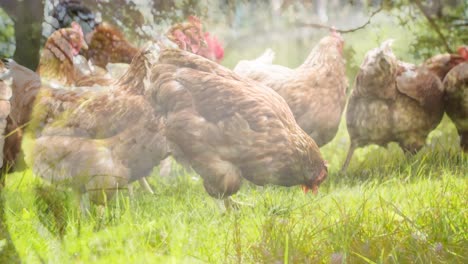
(388, 208)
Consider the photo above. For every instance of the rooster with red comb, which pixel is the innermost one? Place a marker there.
(189, 36)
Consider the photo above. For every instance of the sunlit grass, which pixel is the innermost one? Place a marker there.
(388, 208)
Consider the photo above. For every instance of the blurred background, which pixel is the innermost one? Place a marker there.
(247, 28)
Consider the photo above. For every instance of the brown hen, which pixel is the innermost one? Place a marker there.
(57, 66)
(229, 128)
(56, 62)
(315, 91)
(108, 45)
(394, 101)
(456, 99)
(84, 138)
(25, 86)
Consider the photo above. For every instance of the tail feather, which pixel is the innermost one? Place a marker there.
(267, 57)
(25, 84)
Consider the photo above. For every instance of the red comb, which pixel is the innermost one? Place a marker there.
(76, 26)
(334, 32)
(463, 51)
(215, 46)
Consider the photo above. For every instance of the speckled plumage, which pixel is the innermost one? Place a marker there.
(393, 101)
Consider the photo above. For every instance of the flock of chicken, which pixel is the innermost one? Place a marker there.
(260, 122)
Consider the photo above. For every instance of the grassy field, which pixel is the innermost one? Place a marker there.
(388, 208)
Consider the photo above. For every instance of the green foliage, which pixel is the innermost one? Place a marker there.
(7, 36)
(449, 16)
(142, 20)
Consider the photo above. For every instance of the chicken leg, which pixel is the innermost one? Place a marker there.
(352, 148)
(144, 183)
(464, 140)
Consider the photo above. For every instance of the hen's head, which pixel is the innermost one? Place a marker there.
(188, 36)
(105, 32)
(463, 51)
(76, 38)
(381, 59)
(317, 169)
(378, 72)
(108, 45)
(333, 42)
(441, 64)
(337, 40)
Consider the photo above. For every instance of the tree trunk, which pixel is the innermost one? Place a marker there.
(28, 16)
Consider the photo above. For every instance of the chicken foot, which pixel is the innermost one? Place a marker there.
(165, 167)
(228, 204)
(145, 185)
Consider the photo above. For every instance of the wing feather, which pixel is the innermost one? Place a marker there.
(421, 85)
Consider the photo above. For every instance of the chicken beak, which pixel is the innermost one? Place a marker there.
(195, 48)
(315, 185)
(84, 45)
(204, 44)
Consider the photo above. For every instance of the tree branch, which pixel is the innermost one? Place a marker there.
(433, 25)
(460, 23)
(343, 31)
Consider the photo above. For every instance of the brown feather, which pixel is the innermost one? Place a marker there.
(393, 101)
(56, 62)
(315, 91)
(228, 128)
(107, 44)
(96, 139)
